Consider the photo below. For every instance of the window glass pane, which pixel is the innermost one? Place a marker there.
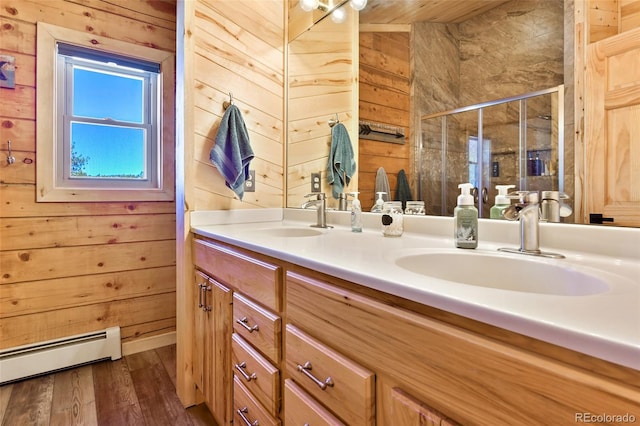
(107, 151)
(99, 94)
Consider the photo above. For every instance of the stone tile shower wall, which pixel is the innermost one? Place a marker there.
(513, 49)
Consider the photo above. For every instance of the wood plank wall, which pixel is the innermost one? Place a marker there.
(322, 86)
(239, 49)
(611, 17)
(384, 98)
(70, 268)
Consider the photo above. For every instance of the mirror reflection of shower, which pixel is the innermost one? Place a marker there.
(517, 140)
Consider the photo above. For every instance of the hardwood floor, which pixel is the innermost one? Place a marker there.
(138, 389)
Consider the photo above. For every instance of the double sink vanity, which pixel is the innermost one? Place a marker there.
(327, 326)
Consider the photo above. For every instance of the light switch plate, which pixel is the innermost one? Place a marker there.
(250, 184)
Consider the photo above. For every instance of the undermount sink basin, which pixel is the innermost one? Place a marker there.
(497, 271)
(288, 231)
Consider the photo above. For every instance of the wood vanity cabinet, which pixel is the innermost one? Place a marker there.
(384, 360)
(426, 368)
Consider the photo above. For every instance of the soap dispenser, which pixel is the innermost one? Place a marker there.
(465, 219)
(502, 201)
(356, 213)
(377, 206)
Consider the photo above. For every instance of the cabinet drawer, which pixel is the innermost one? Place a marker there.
(302, 409)
(340, 384)
(260, 377)
(259, 280)
(245, 405)
(258, 326)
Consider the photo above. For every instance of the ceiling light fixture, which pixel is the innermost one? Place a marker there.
(339, 14)
(358, 4)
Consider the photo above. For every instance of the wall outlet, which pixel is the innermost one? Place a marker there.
(316, 185)
(250, 184)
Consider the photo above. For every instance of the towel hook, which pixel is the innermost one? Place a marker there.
(10, 158)
(333, 122)
(227, 104)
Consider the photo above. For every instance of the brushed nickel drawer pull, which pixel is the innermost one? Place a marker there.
(200, 303)
(244, 322)
(206, 288)
(241, 412)
(248, 377)
(306, 368)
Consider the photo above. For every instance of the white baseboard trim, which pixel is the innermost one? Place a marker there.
(148, 343)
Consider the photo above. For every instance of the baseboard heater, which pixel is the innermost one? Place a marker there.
(44, 357)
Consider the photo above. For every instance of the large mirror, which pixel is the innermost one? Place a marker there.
(415, 60)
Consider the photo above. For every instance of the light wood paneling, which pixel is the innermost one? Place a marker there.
(238, 48)
(47, 325)
(321, 87)
(629, 14)
(385, 99)
(69, 268)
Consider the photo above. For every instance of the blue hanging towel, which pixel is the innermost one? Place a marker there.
(342, 164)
(232, 152)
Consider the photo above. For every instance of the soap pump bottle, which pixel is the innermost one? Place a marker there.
(465, 219)
(377, 206)
(502, 201)
(356, 213)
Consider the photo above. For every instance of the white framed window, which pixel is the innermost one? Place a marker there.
(102, 119)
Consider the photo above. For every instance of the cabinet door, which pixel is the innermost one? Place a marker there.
(408, 411)
(212, 346)
(202, 335)
(221, 403)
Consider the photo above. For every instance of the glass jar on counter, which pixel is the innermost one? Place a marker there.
(392, 221)
(415, 208)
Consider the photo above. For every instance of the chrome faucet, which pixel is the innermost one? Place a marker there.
(527, 211)
(321, 206)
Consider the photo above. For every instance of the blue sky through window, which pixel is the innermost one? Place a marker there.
(111, 150)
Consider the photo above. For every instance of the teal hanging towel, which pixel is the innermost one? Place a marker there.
(342, 164)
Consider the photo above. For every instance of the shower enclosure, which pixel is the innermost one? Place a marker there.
(513, 141)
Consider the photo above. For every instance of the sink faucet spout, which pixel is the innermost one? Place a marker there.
(320, 204)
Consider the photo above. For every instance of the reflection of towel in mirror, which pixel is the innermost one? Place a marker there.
(403, 192)
(232, 152)
(342, 164)
(382, 184)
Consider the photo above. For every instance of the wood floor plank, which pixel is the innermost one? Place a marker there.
(200, 415)
(167, 356)
(136, 390)
(156, 393)
(30, 402)
(5, 394)
(74, 398)
(116, 400)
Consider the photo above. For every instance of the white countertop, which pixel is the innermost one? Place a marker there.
(605, 325)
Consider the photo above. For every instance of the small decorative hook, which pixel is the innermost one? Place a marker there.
(333, 122)
(10, 158)
(227, 104)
